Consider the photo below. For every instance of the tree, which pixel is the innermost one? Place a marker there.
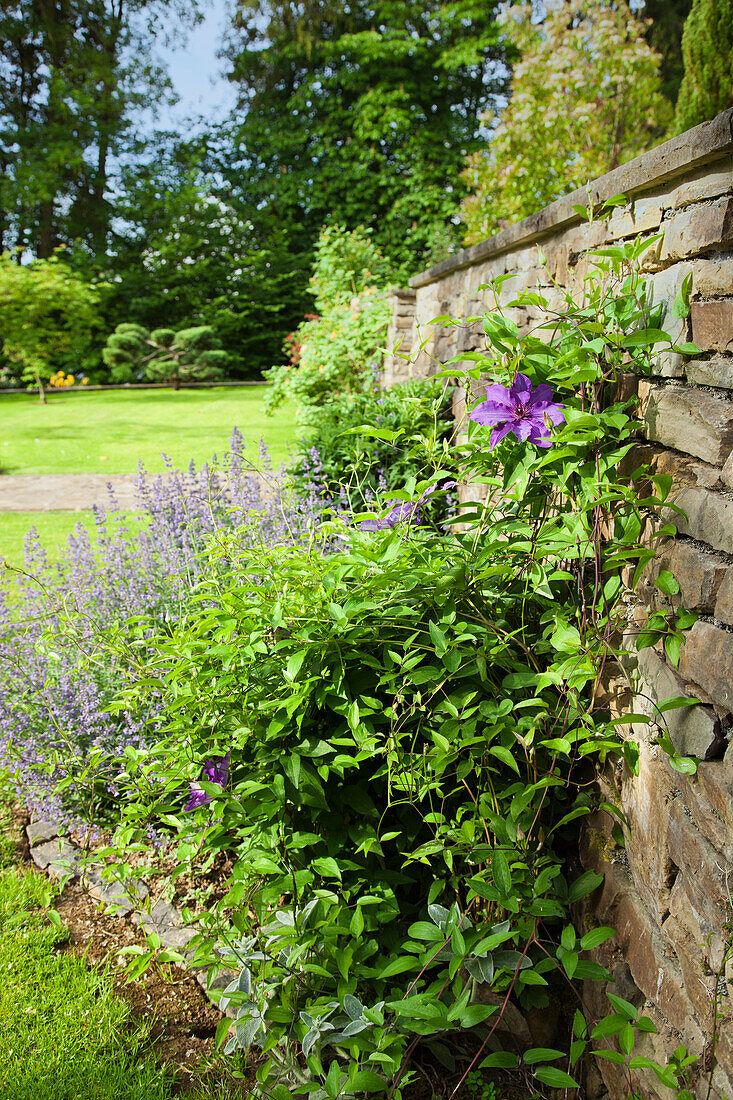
(164, 355)
(584, 98)
(47, 316)
(73, 73)
(361, 114)
(707, 50)
(664, 22)
(190, 252)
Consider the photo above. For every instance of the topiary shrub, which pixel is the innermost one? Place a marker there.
(164, 355)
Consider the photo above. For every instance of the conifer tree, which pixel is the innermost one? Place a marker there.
(707, 51)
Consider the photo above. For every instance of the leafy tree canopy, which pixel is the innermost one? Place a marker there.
(362, 113)
(194, 253)
(585, 97)
(665, 20)
(47, 317)
(75, 76)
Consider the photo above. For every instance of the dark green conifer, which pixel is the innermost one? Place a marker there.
(707, 50)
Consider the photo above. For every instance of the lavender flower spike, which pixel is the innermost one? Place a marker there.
(402, 513)
(216, 771)
(520, 409)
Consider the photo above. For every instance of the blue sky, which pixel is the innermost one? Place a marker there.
(196, 71)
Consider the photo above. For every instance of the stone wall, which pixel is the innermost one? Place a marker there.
(668, 892)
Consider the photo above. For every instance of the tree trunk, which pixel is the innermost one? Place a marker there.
(41, 390)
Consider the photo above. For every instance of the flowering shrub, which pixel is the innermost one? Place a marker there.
(331, 352)
(57, 736)
(347, 465)
(410, 727)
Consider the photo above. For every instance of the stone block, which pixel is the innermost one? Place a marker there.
(39, 831)
(663, 288)
(708, 795)
(217, 982)
(724, 602)
(683, 469)
(639, 217)
(697, 229)
(58, 857)
(699, 865)
(645, 801)
(120, 898)
(177, 937)
(706, 659)
(691, 966)
(707, 516)
(712, 325)
(694, 731)
(689, 420)
(712, 278)
(698, 571)
(711, 182)
(717, 371)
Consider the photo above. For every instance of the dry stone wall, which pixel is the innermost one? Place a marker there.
(668, 892)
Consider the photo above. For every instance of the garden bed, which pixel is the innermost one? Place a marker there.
(182, 1019)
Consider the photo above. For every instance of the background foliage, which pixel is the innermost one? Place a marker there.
(585, 97)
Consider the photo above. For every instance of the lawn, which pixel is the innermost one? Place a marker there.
(109, 432)
(53, 529)
(63, 1033)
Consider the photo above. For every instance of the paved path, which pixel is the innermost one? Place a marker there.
(64, 492)
(77, 492)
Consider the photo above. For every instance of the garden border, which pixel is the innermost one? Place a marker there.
(55, 855)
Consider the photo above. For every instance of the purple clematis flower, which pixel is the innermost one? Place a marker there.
(403, 512)
(528, 413)
(215, 770)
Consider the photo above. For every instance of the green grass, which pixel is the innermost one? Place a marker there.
(63, 1033)
(108, 432)
(53, 529)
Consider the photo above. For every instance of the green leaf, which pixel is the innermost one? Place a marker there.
(438, 637)
(624, 1008)
(586, 884)
(542, 1054)
(626, 1039)
(500, 871)
(596, 937)
(506, 756)
(397, 966)
(666, 583)
(500, 1059)
(555, 1078)
(294, 664)
(645, 337)
(327, 866)
(367, 1081)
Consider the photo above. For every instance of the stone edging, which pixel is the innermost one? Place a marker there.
(60, 858)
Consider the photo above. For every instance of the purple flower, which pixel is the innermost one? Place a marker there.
(216, 771)
(528, 413)
(402, 513)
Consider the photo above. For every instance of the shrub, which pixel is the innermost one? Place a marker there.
(393, 742)
(164, 355)
(332, 352)
(57, 735)
(48, 317)
(585, 97)
(348, 469)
